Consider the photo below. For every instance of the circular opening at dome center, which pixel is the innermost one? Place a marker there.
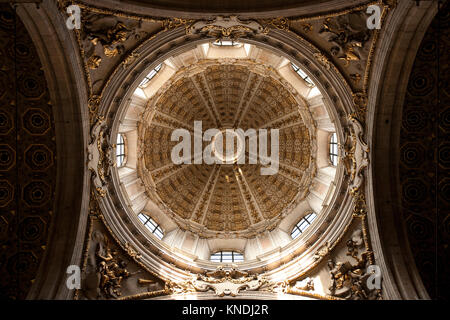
(227, 146)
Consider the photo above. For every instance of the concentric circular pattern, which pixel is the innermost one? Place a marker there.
(22, 52)
(36, 193)
(421, 82)
(7, 157)
(420, 227)
(32, 228)
(415, 119)
(444, 155)
(6, 123)
(27, 165)
(428, 50)
(414, 190)
(36, 121)
(38, 157)
(6, 193)
(22, 263)
(226, 198)
(424, 157)
(444, 186)
(413, 155)
(7, 20)
(445, 119)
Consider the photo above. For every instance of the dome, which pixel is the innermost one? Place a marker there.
(227, 198)
(221, 150)
(178, 170)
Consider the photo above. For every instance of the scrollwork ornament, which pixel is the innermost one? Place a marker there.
(130, 59)
(225, 27)
(360, 103)
(100, 158)
(280, 23)
(222, 282)
(323, 251)
(131, 251)
(172, 23)
(323, 60)
(93, 104)
(355, 151)
(94, 62)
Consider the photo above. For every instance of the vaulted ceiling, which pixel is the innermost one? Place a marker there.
(77, 85)
(227, 197)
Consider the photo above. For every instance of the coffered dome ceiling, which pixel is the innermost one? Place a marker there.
(203, 206)
(235, 197)
(134, 73)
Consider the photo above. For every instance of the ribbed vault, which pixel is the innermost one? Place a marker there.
(226, 197)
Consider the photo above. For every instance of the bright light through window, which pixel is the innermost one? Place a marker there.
(150, 76)
(333, 149)
(120, 150)
(227, 256)
(226, 43)
(151, 225)
(303, 75)
(304, 223)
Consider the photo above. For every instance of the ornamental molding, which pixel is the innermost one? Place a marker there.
(99, 156)
(226, 27)
(223, 282)
(355, 152)
(110, 268)
(150, 179)
(112, 39)
(131, 47)
(113, 269)
(349, 280)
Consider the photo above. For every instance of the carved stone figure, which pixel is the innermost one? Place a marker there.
(347, 280)
(112, 271)
(306, 284)
(91, 277)
(107, 31)
(100, 156)
(322, 252)
(348, 34)
(109, 37)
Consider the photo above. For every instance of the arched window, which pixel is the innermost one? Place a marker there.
(226, 43)
(303, 75)
(150, 76)
(227, 256)
(333, 149)
(120, 150)
(304, 223)
(151, 225)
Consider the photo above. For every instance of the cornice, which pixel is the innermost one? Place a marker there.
(109, 91)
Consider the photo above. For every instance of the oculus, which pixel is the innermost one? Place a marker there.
(227, 146)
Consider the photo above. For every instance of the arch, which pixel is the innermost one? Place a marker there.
(116, 98)
(72, 125)
(386, 94)
(224, 256)
(67, 88)
(303, 224)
